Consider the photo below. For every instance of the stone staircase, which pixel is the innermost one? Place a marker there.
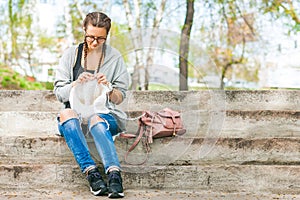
(237, 142)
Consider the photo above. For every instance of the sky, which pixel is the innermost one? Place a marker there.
(48, 15)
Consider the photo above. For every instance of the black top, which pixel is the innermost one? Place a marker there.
(78, 69)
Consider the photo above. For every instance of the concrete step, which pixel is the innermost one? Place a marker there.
(261, 123)
(28, 123)
(199, 123)
(263, 100)
(212, 100)
(166, 151)
(141, 194)
(28, 100)
(275, 179)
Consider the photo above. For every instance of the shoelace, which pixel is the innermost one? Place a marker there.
(96, 175)
(114, 176)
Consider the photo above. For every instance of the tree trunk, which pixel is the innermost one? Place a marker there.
(224, 70)
(184, 45)
(68, 22)
(156, 25)
(12, 32)
(135, 33)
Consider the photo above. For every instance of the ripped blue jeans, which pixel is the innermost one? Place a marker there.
(102, 133)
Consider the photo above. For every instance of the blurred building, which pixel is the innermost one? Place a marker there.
(281, 71)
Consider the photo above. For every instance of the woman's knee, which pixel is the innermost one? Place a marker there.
(95, 119)
(66, 114)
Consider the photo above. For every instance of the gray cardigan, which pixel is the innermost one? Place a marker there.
(113, 67)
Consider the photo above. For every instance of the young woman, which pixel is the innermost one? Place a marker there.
(94, 59)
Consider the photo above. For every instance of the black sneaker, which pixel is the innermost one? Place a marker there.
(97, 184)
(115, 188)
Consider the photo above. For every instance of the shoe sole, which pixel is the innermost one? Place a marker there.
(99, 192)
(116, 195)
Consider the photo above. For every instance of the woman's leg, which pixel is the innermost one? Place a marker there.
(102, 128)
(70, 128)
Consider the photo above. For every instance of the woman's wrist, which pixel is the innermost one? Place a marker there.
(110, 87)
(115, 96)
(110, 93)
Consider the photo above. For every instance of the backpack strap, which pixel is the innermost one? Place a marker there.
(140, 133)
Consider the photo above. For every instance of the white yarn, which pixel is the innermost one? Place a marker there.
(89, 98)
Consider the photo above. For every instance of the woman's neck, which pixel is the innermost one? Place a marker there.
(93, 58)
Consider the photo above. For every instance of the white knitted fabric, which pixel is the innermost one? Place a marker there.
(89, 98)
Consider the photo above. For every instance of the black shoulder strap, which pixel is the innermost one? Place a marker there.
(79, 53)
(77, 67)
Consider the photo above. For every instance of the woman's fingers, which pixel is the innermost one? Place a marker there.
(101, 78)
(85, 76)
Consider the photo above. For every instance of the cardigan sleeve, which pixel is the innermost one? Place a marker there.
(115, 70)
(64, 75)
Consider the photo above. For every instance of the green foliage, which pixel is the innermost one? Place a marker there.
(76, 23)
(46, 41)
(6, 78)
(48, 85)
(279, 9)
(150, 9)
(4, 70)
(162, 87)
(22, 83)
(119, 40)
(10, 80)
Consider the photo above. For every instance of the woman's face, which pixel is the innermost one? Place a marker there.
(95, 36)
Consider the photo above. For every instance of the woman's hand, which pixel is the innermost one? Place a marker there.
(85, 77)
(101, 78)
(115, 95)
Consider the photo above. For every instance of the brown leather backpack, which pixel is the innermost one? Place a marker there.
(164, 123)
